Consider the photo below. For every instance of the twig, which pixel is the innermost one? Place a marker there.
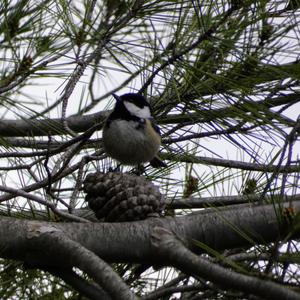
(227, 163)
(42, 65)
(55, 178)
(288, 143)
(189, 137)
(206, 35)
(165, 292)
(82, 64)
(22, 193)
(77, 186)
(48, 190)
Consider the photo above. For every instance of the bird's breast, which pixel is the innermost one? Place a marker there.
(130, 142)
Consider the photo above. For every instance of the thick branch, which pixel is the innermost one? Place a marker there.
(58, 247)
(130, 242)
(167, 245)
(33, 127)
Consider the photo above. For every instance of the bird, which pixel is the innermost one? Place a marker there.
(130, 134)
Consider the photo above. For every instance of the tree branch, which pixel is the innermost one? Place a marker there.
(228, 163)
(173, 203)
(129, 241)
(204, 202)
(58, 247)
(32, 127)
(88, 289)
(80, 123)
(51, 205)
(179, 256)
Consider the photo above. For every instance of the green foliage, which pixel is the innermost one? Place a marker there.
(18, 282)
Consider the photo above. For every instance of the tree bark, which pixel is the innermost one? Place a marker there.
(239, 226)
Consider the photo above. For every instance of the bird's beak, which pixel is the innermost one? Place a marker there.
(116, 97)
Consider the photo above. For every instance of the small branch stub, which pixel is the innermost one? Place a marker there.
(121, 197)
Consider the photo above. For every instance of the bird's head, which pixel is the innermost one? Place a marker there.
(135, 104)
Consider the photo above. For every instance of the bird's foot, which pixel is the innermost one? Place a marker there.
(140, 169)
(116, 169)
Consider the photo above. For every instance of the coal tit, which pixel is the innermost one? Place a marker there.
(130, 135)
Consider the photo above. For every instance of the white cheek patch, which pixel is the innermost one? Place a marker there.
(138, 111)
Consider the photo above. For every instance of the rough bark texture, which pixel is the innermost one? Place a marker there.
(130, 242)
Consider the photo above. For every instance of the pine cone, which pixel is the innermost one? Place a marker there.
(120, 197)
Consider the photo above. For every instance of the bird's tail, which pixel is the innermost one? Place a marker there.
(156, 162)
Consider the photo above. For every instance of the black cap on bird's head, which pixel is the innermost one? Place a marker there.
(135, 98)
(134, 103)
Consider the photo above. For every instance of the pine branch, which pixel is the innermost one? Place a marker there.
(178, 255)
